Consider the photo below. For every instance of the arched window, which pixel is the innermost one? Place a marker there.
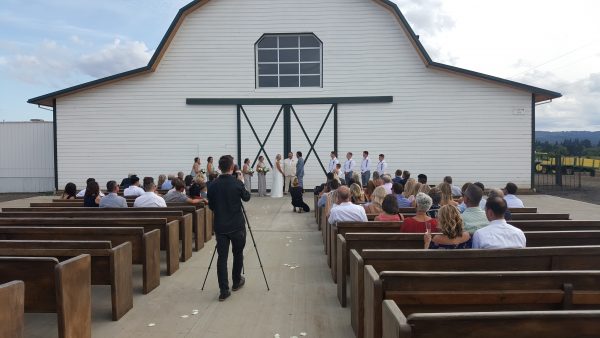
(289, 60)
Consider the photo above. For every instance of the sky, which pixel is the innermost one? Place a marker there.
(553, 44)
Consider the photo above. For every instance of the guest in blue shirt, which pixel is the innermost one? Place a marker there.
(403, 202)
(168, 185)
(398, 177)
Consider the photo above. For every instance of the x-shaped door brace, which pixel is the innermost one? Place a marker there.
(261, 144)
(312, 144)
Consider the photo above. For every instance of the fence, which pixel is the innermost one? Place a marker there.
(554, 173)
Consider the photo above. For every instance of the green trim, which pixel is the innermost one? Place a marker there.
(239, 136)
(289, 101)
(335, 128)
(287, 130)
(55, 138)
(542, 93)
(312, 144)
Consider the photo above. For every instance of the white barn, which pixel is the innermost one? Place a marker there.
(312, 75)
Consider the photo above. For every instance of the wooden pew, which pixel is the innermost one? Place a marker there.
(514, 324)
(184, 222)
(361, 241)
(528, 259)
(145, 243)
(57, 287)
(515, 217)
(12, 309)
(549, 225)
(426, 292)
(109, 265)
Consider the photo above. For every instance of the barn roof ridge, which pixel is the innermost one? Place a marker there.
(540, 94)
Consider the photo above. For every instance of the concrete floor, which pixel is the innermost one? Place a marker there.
(301, 300)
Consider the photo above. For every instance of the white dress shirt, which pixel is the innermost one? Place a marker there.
(133, 190)
(82, 193)
(333, 163)
(289, 167)
(149, 200)
(381, 167)
(499, 235)
(365, 165)
(349, 166)
(347, 212)
(513, 201)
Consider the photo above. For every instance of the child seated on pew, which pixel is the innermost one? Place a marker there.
(453, 235)
(390, 212)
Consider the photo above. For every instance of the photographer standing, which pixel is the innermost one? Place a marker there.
(225, 196)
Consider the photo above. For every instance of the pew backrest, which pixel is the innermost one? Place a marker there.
(12, 309)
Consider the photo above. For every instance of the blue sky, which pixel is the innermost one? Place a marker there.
(50, 45)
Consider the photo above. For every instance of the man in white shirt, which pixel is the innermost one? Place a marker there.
(509, 195)
(150, 198)
(365, 168)
(498, 234)
(134, 189)
(348, 167)
(289, 171)
(344, 210)
(82, 192)
(333, 162)
(382, 165)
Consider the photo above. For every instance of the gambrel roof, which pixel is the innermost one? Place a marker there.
(539, 94)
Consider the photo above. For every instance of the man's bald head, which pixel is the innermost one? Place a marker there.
(495, 193)
(343, 193)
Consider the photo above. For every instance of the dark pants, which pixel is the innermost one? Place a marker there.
(366, 176)
(238, 241)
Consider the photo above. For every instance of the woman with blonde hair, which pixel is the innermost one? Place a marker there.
(452, 227)
(409, 187)
(357, 194)
(356, 178)
(374, 207)
(446, 190)
(297, 198)
(424, 188)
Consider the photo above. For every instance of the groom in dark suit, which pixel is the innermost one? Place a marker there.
(300, 168)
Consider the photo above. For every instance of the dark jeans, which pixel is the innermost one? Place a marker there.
(238, 241)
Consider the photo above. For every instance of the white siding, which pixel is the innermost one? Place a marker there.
(439, 123)
(26, 157)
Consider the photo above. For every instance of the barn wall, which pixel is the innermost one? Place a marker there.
(26, 157)
(439, 123)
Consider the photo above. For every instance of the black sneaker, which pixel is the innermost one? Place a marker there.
(224, 295)
(239, 285)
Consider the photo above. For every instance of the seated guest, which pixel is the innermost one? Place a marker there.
(398, 177)
(92, 195)
(198, 190)
(412, 193)
(134, 189)
(405, 177)
(112, 200)
(422, 178)
(446, 190)
(358, 195)
(150, 199)
(162, 178)
(377, 181)
(337, 173)
(178, 194)
(473, 217)
(461, 202)
(331, 197)
(390, 213)
(344, 210)
(421, 221)
(297, 197)
(369, 189)
(331, 187)
(374, 207)
(424, 188)
(498, 193)
(453, 235)
(180, 175)
(409, 187)
(126, 182)
(398, 190)
(82, 192)
(355, 179)
(387, 183)
(189, 179)
(70, 192)
(436, 198)
(456, 192)
(512, 201)
(168, 185)
(484, 198)
(498, 234)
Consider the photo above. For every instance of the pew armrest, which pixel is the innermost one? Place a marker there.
(356, 294)
(394, 322)
(341, 268)
(151, 263)
(373, 298)
(121, 280)
(12, 309)
(73, 293)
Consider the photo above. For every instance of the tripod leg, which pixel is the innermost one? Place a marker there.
(209, 265)
(255, 248)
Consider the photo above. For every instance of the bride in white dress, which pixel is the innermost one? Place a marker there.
(277, 187)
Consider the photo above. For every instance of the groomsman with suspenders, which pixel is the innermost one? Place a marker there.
(365, 168)
(333, 162)
(381, 166)
(348, 167)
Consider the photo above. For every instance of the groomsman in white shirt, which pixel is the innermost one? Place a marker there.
(365, 169)
(333, 162)
(348, 167)
(382, 165)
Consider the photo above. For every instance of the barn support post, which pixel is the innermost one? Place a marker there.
(239, 136)
(287, 130)
(55, 144)
(335, 127)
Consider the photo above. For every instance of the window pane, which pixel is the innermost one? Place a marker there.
(311, 81)
(268, 42)
(309, 41)
(290, 41)
(310, 55)
(310, 68)
(267, 69)
(288, 55)
(267, 81)
(267, 55)
(288, 68)
(288, 81)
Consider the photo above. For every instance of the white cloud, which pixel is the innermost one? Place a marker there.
(425, 15)
(117, 57)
